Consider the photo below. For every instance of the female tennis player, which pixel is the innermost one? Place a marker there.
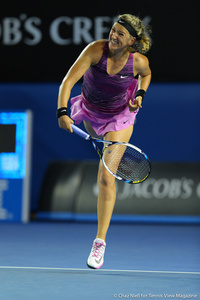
(110, 99)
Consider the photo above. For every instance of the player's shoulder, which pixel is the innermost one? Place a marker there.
(98, 45)
(95, 50)
(140, 59)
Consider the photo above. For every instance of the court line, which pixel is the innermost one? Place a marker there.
(101, 270)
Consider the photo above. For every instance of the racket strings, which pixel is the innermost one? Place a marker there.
(126, 162)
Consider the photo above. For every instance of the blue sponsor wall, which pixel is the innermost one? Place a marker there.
(167, 127)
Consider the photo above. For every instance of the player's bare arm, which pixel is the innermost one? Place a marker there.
(89, 56)
(142, 69)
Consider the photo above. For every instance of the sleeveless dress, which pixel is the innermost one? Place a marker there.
(104, 98)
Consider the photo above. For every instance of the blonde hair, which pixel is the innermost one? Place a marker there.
(143, 42)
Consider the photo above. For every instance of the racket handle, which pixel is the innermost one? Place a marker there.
(80, 132)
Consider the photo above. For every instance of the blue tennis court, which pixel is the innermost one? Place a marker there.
(44, 260)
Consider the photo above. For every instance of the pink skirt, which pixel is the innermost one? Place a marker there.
(103, 123)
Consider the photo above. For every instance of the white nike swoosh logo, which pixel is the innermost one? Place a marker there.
(123, 76)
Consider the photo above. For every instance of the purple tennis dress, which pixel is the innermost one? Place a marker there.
(104, 98)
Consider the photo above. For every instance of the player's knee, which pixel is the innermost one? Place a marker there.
(105, 178)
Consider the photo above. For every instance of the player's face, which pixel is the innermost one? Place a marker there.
(119, 37)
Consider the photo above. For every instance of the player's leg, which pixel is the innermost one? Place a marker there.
(106, 202)
(106, 184)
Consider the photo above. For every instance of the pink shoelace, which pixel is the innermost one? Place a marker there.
(97, 249)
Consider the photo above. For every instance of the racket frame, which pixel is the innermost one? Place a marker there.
(135, 148)
(94, 140)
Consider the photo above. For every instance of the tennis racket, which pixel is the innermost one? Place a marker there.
(123, 160)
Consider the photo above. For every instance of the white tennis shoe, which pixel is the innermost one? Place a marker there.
(96, 257)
